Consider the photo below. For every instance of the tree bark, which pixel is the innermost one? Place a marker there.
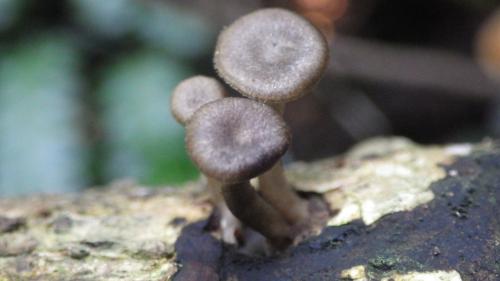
(399, 211)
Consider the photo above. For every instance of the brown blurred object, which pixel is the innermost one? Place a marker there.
(334, 8)
(218, 12)
(488, 46)
(322, 13)
(488, 57)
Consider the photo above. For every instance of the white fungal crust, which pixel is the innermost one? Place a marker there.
(272, 55)
(192, 93)
(235, 139)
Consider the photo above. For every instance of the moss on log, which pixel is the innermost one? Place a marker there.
(399, 211)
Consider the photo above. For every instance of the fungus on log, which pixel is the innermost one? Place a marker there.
(233, 140)
(186, 99)
(274, 56)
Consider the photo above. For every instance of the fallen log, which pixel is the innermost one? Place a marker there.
(399, 211)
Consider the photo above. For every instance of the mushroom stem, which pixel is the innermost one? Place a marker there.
(247, 205)
(229, 224)
(276, 190)
(213, 187)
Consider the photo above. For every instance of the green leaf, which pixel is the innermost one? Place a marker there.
(142, 138)
(41, 147)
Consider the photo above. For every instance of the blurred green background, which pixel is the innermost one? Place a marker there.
(84, 92)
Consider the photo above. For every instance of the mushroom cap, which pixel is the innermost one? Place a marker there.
(272, 55)
(488, 45)
(192, 93)
(236, 139)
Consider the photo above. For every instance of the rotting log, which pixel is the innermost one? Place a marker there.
(399, 211)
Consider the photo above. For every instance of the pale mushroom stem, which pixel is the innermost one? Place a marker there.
(276, 190)
(247, 205)
(213, 187)
(228, 222)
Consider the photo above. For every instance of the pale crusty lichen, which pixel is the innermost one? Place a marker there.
(376, 178)
(124, 232)
(358, 273)
(426, 276)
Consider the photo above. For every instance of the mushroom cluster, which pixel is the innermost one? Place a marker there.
(188, 97)
(272, 56)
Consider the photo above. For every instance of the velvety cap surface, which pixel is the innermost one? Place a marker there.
(192, 93)
(235, 139)
(272, 55)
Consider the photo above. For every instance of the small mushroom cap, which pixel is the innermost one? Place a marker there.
(236, 139)
(192, 93)
(272, 55)
(488, 46)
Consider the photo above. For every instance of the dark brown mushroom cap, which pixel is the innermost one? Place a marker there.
(272, 55)
(236, 139)
(192, 93)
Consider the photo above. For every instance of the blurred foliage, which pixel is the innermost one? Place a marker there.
(178, 31)
(47, 142)
(181, 33)
(110, 18)
(143, 140)
(9, 11)
(41, 147)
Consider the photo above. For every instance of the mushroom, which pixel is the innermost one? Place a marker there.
(233, 140)
(187, 98)
(191, 94)
(274, 56)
